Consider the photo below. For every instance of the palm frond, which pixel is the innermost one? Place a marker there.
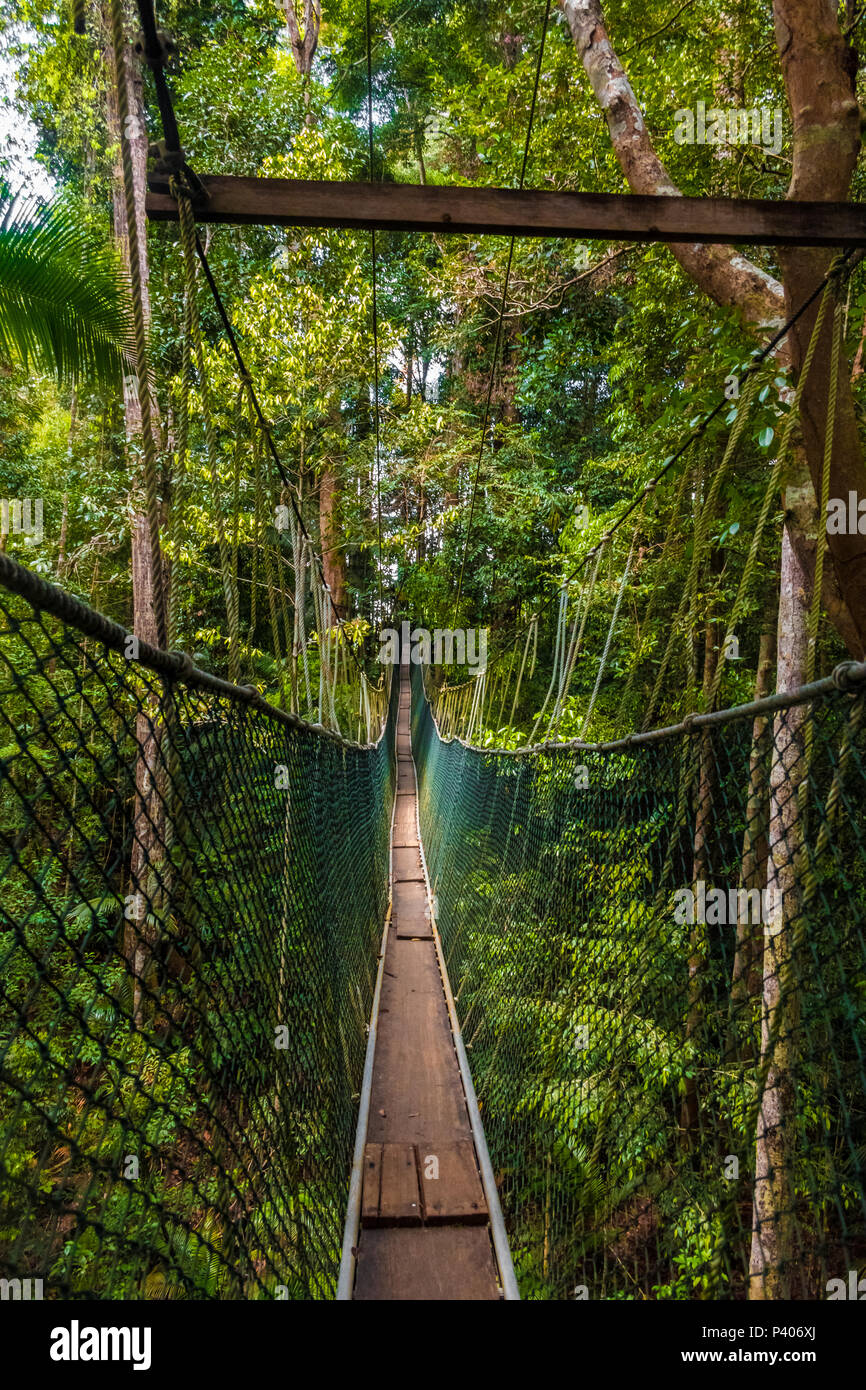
(64, 298)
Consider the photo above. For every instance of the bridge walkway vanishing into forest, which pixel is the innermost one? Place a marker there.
(425, 1231)
(198, 1026)
(658, 944)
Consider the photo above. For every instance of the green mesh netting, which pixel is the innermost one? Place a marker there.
(191, 896)
(674, 1108)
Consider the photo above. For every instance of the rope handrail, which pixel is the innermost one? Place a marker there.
(173, 665)
(846, 676)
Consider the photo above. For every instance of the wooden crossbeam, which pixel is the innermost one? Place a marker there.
(404, 207)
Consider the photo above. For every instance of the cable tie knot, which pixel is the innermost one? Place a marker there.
(842, 676)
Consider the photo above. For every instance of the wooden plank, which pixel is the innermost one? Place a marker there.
(426, 1264)
(405, 777)
(451, 1188)
(417, 1095)
(405, 821)
(372, 1184)
(411, 910)
(511, 212)
(405, 831)
(406, 864)
(399, 1199)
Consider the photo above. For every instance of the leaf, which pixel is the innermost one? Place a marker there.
(64, 301)
(765, 438)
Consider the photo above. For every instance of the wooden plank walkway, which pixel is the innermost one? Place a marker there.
(424, 1221)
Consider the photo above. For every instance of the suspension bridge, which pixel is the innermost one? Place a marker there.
(334, 997)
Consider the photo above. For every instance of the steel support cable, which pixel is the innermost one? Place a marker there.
(505, 685)
(375, 314)
(269, 576)
(154, 52)
(500, 320)
(809, 862)
(654, 594)
(827, 463)
(841, 266)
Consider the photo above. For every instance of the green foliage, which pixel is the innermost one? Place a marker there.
(64, 303)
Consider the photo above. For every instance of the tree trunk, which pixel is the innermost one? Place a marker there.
(304, 46)
(749, 950)
(148, 824)
(333, 557)
(410, 368)
(773, 1228)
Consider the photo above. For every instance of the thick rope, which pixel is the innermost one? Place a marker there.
(558, 655)
(613, 622)
(533, 628)
(577, 642)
